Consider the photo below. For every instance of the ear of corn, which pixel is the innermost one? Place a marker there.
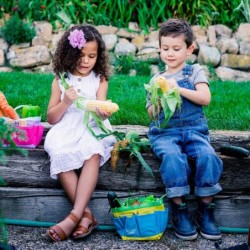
(116, 152)
(162, 83)
(105, 106)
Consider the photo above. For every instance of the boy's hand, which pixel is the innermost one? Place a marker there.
(172, 83)
(150, 111)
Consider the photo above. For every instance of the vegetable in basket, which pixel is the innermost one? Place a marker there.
(30, 111)
(6, 109)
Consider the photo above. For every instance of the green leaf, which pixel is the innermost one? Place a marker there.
(132, 136)
(143, 163)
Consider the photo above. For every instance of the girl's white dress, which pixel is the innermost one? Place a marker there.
(69, 143)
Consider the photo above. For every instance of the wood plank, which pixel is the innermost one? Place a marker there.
(51, 205)
(218, 137)
(33, 171)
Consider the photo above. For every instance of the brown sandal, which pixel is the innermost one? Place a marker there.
(58, 230)
(85, 231)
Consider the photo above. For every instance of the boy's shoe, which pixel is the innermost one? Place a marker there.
(206, 222)
(183, 227)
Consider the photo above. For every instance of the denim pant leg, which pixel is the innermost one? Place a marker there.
(208, 165)
(174, 168)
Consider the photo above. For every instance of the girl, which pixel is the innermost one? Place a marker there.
(81, 54)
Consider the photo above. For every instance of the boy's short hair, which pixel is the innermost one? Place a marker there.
(176, 27)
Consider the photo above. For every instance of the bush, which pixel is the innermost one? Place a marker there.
(123, 64)
(16, 31)
(119, 13)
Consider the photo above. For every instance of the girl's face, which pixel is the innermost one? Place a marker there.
(88, 59)
(174, 51)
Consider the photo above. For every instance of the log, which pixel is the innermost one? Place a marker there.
(30, 188)
(51, 205)
(218, 137)
(33, 171)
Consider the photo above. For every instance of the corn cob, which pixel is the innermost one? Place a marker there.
(105, 106)
(162, 83)
(115, 152)
(114, 156)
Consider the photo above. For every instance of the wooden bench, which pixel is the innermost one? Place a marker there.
(30, 193)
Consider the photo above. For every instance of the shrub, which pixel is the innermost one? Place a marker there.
(124, 63)
(16, 31)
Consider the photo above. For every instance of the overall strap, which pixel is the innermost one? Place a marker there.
(187, 70)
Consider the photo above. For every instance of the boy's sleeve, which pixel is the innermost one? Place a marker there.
(199, 75)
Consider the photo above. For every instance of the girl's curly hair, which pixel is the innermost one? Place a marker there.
(67, 58)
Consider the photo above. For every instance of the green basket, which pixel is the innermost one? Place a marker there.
(143, 218)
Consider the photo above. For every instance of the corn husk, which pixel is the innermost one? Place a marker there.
(81, 103)
(132, 143)
(162, 96)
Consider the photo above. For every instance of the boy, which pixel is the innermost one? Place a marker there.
(186, 135)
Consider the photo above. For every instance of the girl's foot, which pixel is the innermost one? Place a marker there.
(85, 227)
(62, 230)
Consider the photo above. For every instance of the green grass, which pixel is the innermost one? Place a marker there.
(229, 109)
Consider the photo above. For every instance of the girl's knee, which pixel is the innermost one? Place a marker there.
(94, 158)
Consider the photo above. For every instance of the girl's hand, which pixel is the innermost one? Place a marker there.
(104, 115)
(70, 95)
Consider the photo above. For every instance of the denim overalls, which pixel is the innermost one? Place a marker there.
(186, 136)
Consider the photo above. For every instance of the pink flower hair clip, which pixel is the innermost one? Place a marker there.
(76, 39)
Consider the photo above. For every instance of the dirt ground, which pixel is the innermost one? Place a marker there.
(35, 238)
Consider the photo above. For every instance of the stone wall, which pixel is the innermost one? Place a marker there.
(216, 47)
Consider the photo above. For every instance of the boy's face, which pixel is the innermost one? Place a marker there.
(174, 51)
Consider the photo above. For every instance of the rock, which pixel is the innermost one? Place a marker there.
(227, 46)
(106, 30)
(125, 49)
(244, 48)
(31, 57)
(211, 35)
(208, 56)
(243, 33)
(241, 62)
(222, 31)
(138, 41)
(3, 45)
(43, 33)
(110, 41)
(5, 69)
(124, 33)
(2, 60)
(227, 74)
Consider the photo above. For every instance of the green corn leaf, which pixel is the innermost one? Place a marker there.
(132, 136)
(143, 163)
(169, 101)
(63, 81)
(80, 103)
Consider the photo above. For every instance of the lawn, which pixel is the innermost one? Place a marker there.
(229, 109)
